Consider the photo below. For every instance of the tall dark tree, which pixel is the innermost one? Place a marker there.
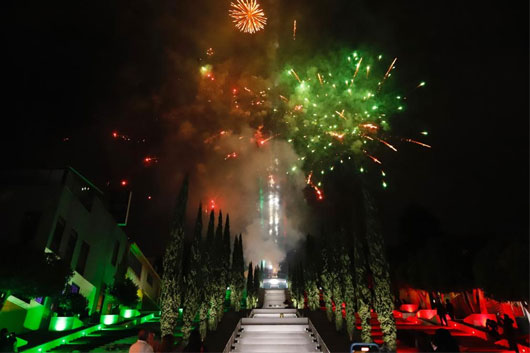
(226, 244)
(124, 291)
(203, 277)
(250, 287)
(219, 233)
(378, 264)
(237, 273)
(170, 298)
(362, 292)
(194, 283)
(210, 232)
(257, 279)
(311, 276)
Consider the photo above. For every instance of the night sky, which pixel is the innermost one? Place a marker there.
(75, 72)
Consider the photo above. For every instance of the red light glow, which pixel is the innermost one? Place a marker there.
(124, 182)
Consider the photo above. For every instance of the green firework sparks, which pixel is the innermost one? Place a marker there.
(340, 109)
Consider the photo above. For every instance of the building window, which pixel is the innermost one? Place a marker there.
(70, 247)
(115, 253)
(74, 288)
(135, 265)
(149, 279)
(30, 224)
(57, 234)
(83, 256)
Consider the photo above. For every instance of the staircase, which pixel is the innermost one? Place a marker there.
(107, 335)
(275, 329)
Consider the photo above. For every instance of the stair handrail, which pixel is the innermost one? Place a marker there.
(232, 338)
(320, 341)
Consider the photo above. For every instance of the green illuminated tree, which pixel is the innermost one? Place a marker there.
(257, 279)
(310, 274)
(326, 281)
(218, 269)
(125, 292)
(384, 304)
(250, 286)
(193, 281)
(170, 296)
(237, 274)
(29, 272)
(209, 252)
(71, 304)
(362, 292)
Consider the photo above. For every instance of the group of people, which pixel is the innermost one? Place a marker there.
(147, 343)
(7, 341)
(508, 330)
(444, 310)
(442, 341)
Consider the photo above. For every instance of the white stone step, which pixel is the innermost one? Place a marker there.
(274, 335)
(275, 328)
(275, 321)
(278, 315)
(273, 311)
(275, 348)
(287, 339)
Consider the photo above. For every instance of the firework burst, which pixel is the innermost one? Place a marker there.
(335, 114)
(248, 16)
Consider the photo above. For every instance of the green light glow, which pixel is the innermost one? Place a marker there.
(348, 113)
(61, 323)
(109, 319)
(128, 313)
(48, 346)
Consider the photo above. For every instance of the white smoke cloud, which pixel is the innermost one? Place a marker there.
(234, 183)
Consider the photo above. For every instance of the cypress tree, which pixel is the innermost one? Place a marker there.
(310, 278)
(362, 292)
(226, 245)
(250, 286)
(193, 282)
(238, 276)
(210, 238)
(379, 267)
(170, 299)
(203, 278)
(257, 279)
(218, 241)
(218, 269)
(233, 273)
(240, 272)
(341, 272)
(349, 292)
(326, 280)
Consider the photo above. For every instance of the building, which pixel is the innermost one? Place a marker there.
(142, 273)
(62, 212)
